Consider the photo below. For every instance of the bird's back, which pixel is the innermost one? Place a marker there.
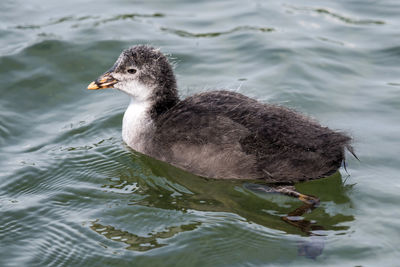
(223, 134)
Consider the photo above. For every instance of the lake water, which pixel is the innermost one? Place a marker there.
(73, 194)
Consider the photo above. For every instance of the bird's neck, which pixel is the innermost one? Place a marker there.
(137, 124)
(140, 116)
(164, 98)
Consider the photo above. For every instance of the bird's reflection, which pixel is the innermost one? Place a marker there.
(164, 186)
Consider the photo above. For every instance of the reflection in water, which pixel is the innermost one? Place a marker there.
(314, 245)
(141, 243)
(163, 186)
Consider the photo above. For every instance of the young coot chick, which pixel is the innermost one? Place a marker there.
(217, 134)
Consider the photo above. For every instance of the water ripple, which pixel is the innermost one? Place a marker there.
(54, 22)
(97, 20)
(59, 246)
(130, 16)
(183, 33)
(336, 15)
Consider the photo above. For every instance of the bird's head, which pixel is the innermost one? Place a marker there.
(142, 72)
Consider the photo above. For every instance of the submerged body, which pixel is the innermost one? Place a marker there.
(218, 134)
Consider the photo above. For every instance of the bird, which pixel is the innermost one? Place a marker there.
(218, 134)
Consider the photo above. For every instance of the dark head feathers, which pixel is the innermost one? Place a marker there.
(154, 72)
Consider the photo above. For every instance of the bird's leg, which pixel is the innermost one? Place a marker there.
(285, 190)
(293, 218)
(291, 191)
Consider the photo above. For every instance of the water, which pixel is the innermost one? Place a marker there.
(72, 194)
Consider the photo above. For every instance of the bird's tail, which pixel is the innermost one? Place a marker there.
(351, 150)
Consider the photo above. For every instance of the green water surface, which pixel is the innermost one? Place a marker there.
(73, 194)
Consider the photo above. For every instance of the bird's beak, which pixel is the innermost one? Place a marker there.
(104, 81)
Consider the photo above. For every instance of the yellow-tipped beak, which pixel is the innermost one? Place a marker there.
(93, 86)
(103, 82)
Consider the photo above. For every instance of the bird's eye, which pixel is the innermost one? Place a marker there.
(131, 71)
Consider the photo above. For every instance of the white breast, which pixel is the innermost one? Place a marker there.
(137, 124)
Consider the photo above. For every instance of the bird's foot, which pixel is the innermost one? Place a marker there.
(285, 190)
(291, 191)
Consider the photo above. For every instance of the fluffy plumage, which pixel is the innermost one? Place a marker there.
(220, 134)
